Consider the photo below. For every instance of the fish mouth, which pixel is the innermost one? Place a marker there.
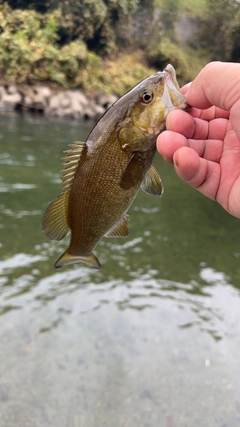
(173, 98)
(172, 95)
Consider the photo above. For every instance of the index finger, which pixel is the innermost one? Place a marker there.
(196, 128)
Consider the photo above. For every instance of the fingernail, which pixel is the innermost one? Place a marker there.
(175, 160)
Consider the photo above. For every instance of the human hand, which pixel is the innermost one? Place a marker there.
(204, 142)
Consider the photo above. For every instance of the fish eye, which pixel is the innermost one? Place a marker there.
(146, 96)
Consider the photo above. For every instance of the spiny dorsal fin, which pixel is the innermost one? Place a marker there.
(152, 183)
(70, 163)
(55, 224)
(120, 229)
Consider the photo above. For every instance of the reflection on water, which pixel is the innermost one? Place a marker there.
(150, 340)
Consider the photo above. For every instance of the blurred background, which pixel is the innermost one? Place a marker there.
(109, 45)
(153, 338)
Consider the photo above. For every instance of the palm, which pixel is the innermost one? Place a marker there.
(228, 194)
(206, 154)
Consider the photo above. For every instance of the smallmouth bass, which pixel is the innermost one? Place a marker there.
(102, 176)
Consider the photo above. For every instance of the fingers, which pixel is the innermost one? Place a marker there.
(200, 173)
(194, 127)
(169, 142)
(206, 138)
(209, 114)
(190, 127)
(181, 122)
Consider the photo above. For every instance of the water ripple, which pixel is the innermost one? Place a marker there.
(19, 260)
(5, 188)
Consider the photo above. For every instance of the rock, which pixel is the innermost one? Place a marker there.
(79, 96)
(64, 112)
(99, 111)
(2, 92)
(27, 101)
(11, 101)
(39, 102)
(92, 110)
(65, 103)
(44, 91)
(53, 102)
(64, 100)
(34, 99)
(77, 109)
(107, 100)
(12, 89)
(59, 101)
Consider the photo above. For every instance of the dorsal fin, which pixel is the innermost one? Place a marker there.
(55, 224)
(70, 163)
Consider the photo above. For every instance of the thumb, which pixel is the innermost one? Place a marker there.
(218, 84)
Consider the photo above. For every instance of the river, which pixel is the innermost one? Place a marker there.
(150, 340)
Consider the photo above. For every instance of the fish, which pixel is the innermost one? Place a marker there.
(101, 176)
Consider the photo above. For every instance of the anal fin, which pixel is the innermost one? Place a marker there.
(152, 183)
(120, 229)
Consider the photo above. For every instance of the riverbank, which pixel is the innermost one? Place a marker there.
(53, 103)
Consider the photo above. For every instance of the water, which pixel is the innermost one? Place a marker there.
(150, 340)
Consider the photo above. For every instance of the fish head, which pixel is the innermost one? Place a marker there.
(157, 96)
(149, 103)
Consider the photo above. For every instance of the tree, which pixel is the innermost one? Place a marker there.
(220, 30)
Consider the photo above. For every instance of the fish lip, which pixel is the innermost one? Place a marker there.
(185, 106)
(171, 87)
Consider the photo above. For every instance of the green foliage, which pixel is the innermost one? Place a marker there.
(40, 6)
(124, 71)
(83, 17)
(96, 22)
(194, 8)
(31, 52)
(183, 59)
(220, 29)
(169, 16)
(109, 45)
(31, 48)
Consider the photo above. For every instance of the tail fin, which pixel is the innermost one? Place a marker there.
(67, 258)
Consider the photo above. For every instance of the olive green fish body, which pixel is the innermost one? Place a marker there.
(101, 177)
(105, 202)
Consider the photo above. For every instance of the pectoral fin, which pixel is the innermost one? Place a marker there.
(120, 229)
(133, 173)
(152, 183)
